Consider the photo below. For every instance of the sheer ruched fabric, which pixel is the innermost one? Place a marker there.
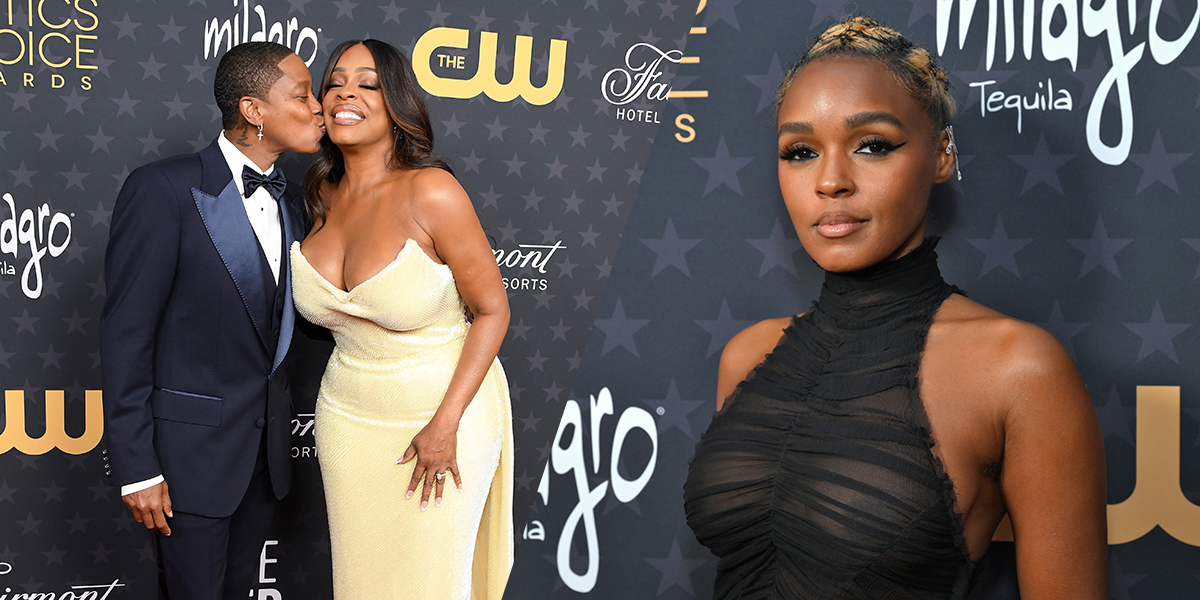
(399, 336)
(818, 479)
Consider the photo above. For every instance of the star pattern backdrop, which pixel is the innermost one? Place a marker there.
(105, 87)
(1101, 253)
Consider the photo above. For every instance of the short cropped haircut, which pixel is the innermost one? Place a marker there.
(248, 69)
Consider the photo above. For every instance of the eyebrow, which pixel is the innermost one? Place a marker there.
(852, 122)
(358, 70)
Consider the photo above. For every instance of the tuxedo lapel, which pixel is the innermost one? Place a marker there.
(287, 321)
(224, 217)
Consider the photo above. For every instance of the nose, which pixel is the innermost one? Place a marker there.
(835, 177)
(313, 105)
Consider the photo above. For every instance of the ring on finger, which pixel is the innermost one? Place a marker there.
(439, 476)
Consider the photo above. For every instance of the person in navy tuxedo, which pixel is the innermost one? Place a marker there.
(197, 322)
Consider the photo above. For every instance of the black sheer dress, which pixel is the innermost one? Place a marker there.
(817, 479)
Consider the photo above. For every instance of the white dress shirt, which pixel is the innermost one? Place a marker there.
(263, 212)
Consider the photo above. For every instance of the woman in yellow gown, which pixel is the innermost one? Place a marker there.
(413, 396)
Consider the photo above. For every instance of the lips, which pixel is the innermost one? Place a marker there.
(347, 114)
(836, 225)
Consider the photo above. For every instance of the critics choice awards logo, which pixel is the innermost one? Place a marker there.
(58, 34)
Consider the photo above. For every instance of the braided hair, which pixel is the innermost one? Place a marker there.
(911, 65)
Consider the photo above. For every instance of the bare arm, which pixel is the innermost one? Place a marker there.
(1053, 478)
(443, 210)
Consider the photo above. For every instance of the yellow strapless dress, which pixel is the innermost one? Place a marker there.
(399, 335)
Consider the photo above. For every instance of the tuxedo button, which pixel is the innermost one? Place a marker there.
(109, 473)
(260, 423)
(104, 451)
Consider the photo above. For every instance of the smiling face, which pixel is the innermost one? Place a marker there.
(857, 160)
(355, 110)
(291, 116)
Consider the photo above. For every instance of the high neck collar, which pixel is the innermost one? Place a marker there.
(890, 289)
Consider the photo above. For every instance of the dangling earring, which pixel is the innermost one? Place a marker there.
(260, 132)
(952, 148)
(395, 128)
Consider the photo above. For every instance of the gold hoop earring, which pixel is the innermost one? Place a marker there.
(260, 132)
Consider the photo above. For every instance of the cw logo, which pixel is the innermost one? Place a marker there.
(484, 80)
(15, 436)
(1157, 499)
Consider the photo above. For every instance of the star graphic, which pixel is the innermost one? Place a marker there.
(199, 143)
(519, 330)
(675, 569)
(3, 134)
(453, 126)
(1041, 166)
(472, 162)
(195, 70)
(1100, 250)
(619, 138)
(345, 9)
(921, 9)
(496, 130)
(560, 331)
(635, 174)
(722, 329)
(596, 172)
(573, 203)
(1061, 329)
(50, 357)
(1157, 335)
(612, 206)
(391, 12)
(1158, 165)
(722, 168)
(25, 322)
(4, 356)
(1195, 244)
(22, 175)
(582, 301)
(146, 553)
(999, 250)
(54, 555)
(568, 32)
(563, 103)
(549, 234)
(632, 6)
(722, 11)
(768, 82)
(53, 492)
(437, 17)
(491, 197)
(1194, 72)
(579, 137)
(525, 26)
(778, 251)
(100, 141)
(150, 143)
(100, 62)
(30, 525)
(125, 104)
(538, 133)
(524, 480)
(176, 107)
(101, 553)
(589, 237)
(673, 411)
(1115, 417)
(508, 233)
(77, 524)
(482, 21)
(171, 31)
(533, 200)
(610, 37)
(151, 68)
(74, 102)
(556, 169)
(618, 330)
(125, 27)
(543, 300)
(7, 493)
(74, 177)
(21, 99)
(537, 361)
(670, 250)
(668, 9)
(650, 38)
(48, 138)
(1091, 77)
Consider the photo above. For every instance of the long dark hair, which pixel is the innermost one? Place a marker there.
(402, 97)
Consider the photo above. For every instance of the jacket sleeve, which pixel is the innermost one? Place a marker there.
(139, 273)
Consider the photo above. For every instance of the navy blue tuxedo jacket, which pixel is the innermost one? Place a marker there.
(190, 341)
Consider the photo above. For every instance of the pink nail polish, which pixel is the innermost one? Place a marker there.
(424, 505)
(437, 501)
(460, 487)
(408, 495)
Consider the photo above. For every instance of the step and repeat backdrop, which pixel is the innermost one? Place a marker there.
(546, 110)
(1077, 211)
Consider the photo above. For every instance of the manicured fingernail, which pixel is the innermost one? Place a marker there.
(460, 487)
(424, 505)
(437, 501)
(408, 495)
(399, 459)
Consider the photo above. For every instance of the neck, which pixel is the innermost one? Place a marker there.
(246, 140)
(882, 291)
(366, 165)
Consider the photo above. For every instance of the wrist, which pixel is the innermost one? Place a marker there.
(446, 420)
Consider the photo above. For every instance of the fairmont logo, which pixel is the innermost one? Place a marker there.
(42, 231)
(251, 25)
(639, 77)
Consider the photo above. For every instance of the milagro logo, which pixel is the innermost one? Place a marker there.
(644, 65)
(572, 458)
(42, 231)
(246, 27)
(484, 80)
(532, 256)
(1103, 21)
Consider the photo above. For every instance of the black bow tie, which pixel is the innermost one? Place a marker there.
(274, 183)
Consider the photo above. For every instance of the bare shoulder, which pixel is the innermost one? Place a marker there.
(1018, 364)
(745, 351)
(433, 187)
